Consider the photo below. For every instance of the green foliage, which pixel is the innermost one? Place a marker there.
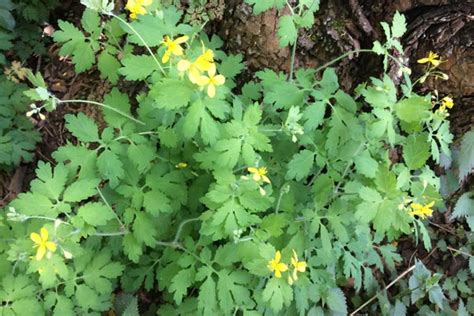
(20, 27)
(207, 197)
(18, 137)
(466, 155)
(84, 47)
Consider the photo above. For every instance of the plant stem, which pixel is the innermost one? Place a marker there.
(459, 251)
(122, 226)
(104, 106)
(141, 39)
(180, 228)
(385, 289)
(111, 234)
(335, 60)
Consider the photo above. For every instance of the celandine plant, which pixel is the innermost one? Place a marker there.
(263, 202)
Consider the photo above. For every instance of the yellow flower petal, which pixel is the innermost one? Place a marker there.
(36, 238)
(252, 170)
(166, 57)
(181, 40)
(51, 246)
(277, 256)
(277, 274)
(219, 80)
(183, 65)
(40, 252)
(212, 70)
(211, 90)
(44, 234)
(423, 60)
(282, 267)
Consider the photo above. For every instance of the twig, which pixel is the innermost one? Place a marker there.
(390, 285)
(459, 251)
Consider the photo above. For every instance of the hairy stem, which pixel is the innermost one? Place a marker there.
(141, 39)
(104, 106)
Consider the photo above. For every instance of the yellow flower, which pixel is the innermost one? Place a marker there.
(276, 266)
(41, 241)
(298, 266)
(202, 63)
(173, 47)
(432, 58)
(137, 7)
(211, 81)
(181, 165)
(259, 174)
(422, 211)
(446, 102)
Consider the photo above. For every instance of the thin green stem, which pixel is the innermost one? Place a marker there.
(141, 39)
(293, 51)
(335, 60)
(104, 106)
(292, 65)
(102, 234)
(277, 208)
(181, 226)
(122, 226)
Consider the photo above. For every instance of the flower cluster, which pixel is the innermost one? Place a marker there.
(422, 211)
(137, 7)
(196, 69)
(446, 102)
(277, 267)
(259, 175)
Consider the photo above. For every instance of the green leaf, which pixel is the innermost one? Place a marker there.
(287, 31)
(87, 299)
(464, 206)
(207, 302)
(399, 25)
(137, 67)
(110, 167)
(7, 21)
(180, 284)
(466, 155)
(64, 306)
(74, 44)
(171, 94)
(95, 213)
(82, 127)
(277, 293)
(337, 301)
(416, 151)
(119, 101)
(229, 150)
(314, 115)
(413, 109)
(144, 229)
(232, 290)
(81, 190)
(260, 6)
(370, 195)
(141, 156)
(91, 22)
(231, 66)
(108, 66)
(365, 164)
(300, 165)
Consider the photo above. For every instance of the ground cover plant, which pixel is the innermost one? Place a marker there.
(226, 198)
